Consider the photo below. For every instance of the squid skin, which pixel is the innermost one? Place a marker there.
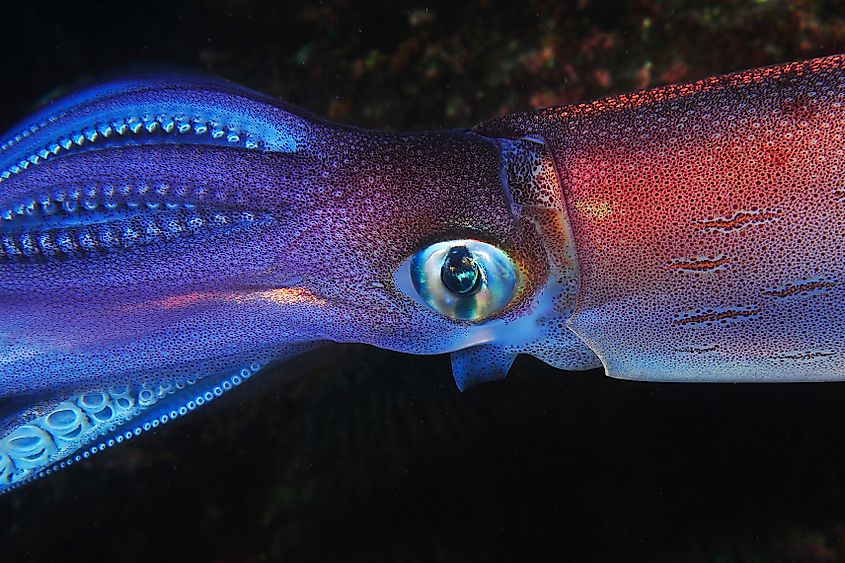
(163, 237)
(708, 221)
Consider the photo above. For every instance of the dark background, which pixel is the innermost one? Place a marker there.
(358, 454)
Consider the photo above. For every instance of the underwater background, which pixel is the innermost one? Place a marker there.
(358, 454)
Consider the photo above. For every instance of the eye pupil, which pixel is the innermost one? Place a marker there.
(460, 272)
(464, 279)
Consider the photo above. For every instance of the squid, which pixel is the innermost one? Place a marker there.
(164, 237)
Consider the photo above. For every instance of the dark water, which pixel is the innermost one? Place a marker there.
(373, 456)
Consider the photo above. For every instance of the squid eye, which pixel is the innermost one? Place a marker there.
(460, 272)
(464, 279)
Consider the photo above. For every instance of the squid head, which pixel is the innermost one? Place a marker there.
(429, 243)
(163, 237)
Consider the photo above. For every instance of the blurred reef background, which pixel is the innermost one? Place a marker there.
(356, 454)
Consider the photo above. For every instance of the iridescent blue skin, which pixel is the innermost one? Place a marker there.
(166, 236)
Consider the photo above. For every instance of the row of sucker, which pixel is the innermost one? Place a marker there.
(28, 131)
(64, 204)
(139, 129)
(44, 445)
(121, 233)
(79, 220)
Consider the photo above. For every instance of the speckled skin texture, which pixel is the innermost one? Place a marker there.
(162, 233)
(708, 223)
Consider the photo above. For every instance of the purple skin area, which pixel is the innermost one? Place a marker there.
(163, 237)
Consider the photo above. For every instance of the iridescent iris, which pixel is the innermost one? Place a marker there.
(464, 279)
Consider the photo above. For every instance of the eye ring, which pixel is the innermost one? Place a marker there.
(465, 279)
